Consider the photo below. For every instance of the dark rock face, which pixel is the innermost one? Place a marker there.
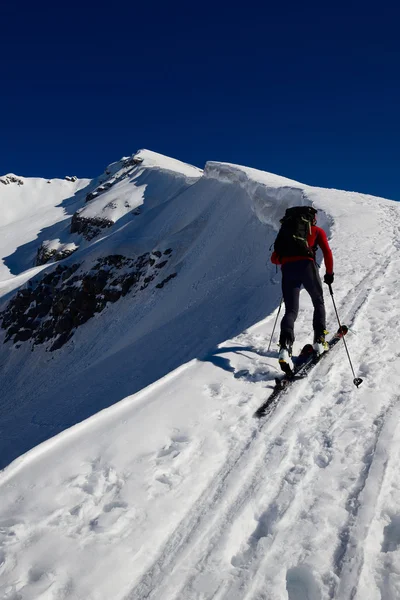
(164, 281)
(51, 309)
(100, 189)
(133, 161)
(44, 254)
(7, 179)
(89, 228)
(90, 196)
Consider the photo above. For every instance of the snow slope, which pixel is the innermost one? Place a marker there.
(176, 491)
(26, 209)
(155, 180)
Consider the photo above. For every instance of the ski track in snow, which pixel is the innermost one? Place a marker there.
(204, 537)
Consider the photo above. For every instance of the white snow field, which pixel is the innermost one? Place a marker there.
(25, 209)
(133, 466)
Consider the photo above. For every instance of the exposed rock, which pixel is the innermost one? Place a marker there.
(54, 250)
(73, 178)
(89, 227)
(161, 264)
(164, 281)
(106, 185)
(132, 161)
(112, 204)
(103, 187)
(23, 335)
(60, 341)
(91, 196)
(7, 179)
(52, 308)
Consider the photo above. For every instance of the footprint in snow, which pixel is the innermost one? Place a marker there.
(35, 582)
(256, 376)
(301, 585)
(214, 390)
(12, 532)
(324, 456)
(114, 505)
(173, 448)
(242, 374)
(97, 479)
(98, 505)
(164, 480)
(221, 392)
(265, 526)
(167, 474)
(391, 534)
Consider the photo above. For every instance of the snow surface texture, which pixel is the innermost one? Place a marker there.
(176, 492)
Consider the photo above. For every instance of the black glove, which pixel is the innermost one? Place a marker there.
(328, 278)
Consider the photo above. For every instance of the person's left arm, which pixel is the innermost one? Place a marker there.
(323, 243)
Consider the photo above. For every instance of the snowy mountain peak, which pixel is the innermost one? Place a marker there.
(11, 178)
(150, 159)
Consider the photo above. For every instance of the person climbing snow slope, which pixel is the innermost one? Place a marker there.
(294, 249)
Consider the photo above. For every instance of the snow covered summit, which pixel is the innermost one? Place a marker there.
(130, 373)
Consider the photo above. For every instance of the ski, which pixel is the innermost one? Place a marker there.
(303, 365)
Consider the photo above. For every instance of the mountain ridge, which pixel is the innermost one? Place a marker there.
(132, 464)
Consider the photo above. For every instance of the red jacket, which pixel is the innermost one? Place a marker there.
(317, 237)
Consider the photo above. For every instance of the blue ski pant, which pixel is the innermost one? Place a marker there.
(295, 275)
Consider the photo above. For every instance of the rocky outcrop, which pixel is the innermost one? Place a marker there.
(89, 227)
(91, 196)
(51, 309)
(125, 167)
(73, 178)
(100, 189)
(132, 161)
(7, 179)
(53, 250)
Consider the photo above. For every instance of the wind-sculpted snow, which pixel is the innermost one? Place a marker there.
(176, 491)
(269, 195)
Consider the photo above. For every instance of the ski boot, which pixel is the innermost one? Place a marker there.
(320, 344)
(285, 358)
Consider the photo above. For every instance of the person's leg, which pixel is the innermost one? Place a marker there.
(291, 284)
(312, 283)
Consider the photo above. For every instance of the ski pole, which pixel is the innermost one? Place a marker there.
(273, 331)
(357, 380)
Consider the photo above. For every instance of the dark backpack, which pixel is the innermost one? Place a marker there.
(292, 236)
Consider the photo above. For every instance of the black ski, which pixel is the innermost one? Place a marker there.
(304, 363)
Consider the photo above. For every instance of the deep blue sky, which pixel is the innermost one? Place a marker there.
(306, 90)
